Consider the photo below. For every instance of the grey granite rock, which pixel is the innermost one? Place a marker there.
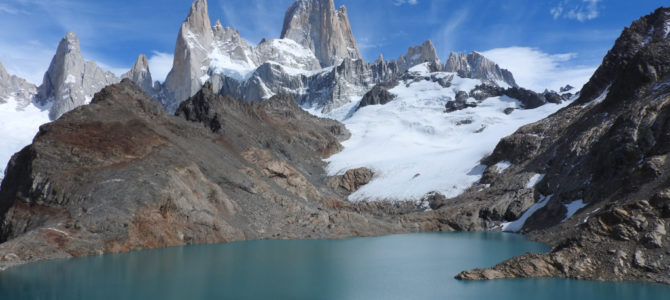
(141, 75)
(420, 54)
(475, 65)
(194, 44)
(71, 81)
(317, 26)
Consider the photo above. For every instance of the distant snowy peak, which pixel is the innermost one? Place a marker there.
(141, 75)
(316, 25)
(219, 54)
(71, 81)
(13, 88)
(476, 65)
(419, 54)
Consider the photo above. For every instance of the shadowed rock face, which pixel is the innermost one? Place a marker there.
(610, 150)
(71, 81)
(122, 174)
(316, 25)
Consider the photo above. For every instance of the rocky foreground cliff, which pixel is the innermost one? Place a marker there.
(596, 174)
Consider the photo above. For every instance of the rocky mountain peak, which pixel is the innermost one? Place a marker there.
(423, 53)
(71, 81)
(475, 65)
(316, 25)
(140, 74)
(637, 54)
(14, 87)
(198, 17)
(192, 49)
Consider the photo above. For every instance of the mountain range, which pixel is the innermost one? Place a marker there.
(299, 137)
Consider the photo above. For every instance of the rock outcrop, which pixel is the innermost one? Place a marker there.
(475, 65)
(71, 81)
(141, 75)
(316, 25)
(16, 88)
(378, 95)
(599, 168)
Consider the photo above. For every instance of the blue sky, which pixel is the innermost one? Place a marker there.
(536, 39)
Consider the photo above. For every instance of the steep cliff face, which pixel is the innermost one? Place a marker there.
(71, 81)
(316, 25)
(594, 176)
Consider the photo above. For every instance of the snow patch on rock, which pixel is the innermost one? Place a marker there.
(534, 180)
(572, 208)
(516, 226)
(502, 166)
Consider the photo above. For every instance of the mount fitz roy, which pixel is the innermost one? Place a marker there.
(316, 60)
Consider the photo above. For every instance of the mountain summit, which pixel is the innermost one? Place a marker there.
(141, 75)
(70, 80)
(316, 25)
(194, 43)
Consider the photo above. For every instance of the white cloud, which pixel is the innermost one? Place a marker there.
(536, 70)
(401, 2)
(160, 65)
(586, 10)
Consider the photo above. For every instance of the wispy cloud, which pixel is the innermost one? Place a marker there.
(401, 2)
(6, 9)
(537, 70)
(568, 9)
(160, 65)
(444, 38)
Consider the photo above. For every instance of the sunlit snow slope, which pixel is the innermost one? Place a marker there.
(414, 147)
(17, 128)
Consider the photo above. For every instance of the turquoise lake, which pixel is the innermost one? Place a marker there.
(411, 266)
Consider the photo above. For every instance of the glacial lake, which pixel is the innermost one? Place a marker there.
(411, 266)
